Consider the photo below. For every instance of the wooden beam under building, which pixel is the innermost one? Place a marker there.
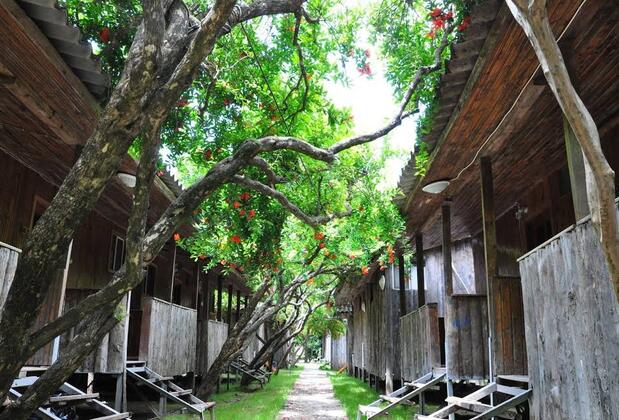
(238, 305)
(490, 251)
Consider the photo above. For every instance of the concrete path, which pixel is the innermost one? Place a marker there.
(312, 397)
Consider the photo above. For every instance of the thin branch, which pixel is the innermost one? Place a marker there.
(263, 165)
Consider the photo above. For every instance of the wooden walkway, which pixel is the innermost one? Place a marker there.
(312, 397)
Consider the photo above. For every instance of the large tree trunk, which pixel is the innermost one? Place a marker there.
(533, 18)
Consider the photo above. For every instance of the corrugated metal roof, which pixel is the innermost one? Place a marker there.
(463, 58)
(53, 22)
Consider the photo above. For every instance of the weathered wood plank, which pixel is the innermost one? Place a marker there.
(420, 344)
(571, 318)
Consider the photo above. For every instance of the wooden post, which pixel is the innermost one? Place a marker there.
(576, 166)
(490, 250)
(402, 278)
(230, 293)
(219, 297)
(421, 284)
(238, 305)
(173, 275)
(448, 279)
(197, 285)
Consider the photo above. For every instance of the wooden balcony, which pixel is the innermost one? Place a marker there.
(168, 337)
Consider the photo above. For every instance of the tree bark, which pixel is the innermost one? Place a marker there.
(532, 16)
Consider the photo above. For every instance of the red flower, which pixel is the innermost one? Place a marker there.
(431, 35)
(449, 15)
(233, 266)
(236, 204)
(252, 213)
(182, 102)
(365, 271)
(436, 12)
(208, 154)
(104, 35)
(177, 237)
(236, 239)
(321, 245)
(465, 24)
(160, 173)
(438, 23)
(202, 257)
(245, 196)
(242, 212)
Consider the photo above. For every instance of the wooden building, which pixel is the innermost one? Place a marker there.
(511, 276)
(373, 333)
(49, 86)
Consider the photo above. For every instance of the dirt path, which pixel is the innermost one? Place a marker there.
(312, 397)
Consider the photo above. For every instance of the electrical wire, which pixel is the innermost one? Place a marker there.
(517, 98)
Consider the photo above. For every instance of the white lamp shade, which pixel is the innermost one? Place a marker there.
(436, 187)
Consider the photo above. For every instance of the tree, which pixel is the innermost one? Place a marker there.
(165, 63)
(532, 16)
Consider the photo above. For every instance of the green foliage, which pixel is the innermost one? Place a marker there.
(353, 392)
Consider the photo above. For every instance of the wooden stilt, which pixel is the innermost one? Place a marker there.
(118, 395)
(402, 280)
(490, 250)
(229, 317)
(448, 278)
(219, 297)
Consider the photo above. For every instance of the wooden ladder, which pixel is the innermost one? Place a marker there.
(256, 375)
(471, 403)
(67, 395)
(400, 396)
(168, 390)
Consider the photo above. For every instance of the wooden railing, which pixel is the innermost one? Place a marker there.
(168, 342)
(420, 343)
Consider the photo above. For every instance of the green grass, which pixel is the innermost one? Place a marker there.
(261, 404)
(353, 392)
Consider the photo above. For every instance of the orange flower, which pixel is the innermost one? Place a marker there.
(311, 281)
(245, 196)
(365, 271)
(236, 239)
(242, 212)
(321, 245)
(202, 257)
(236, 204)
(252, 213)
(177, 237)
(319, 236)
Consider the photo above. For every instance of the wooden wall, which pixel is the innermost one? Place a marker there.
(8, 263)
(338, 352)
(376, 341)
(509, 338)
(468, 271)
(572, 332)
(168, 341)
(217, 335)
(466, 335)
(420, 342)
(110, 354)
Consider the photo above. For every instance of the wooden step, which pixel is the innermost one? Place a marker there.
(369, 409)
(477, 407)
(204, 406)
(60, 399)
(113, 417)
(181, 392)
(395, 400)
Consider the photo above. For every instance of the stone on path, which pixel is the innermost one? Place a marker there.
(312, 397)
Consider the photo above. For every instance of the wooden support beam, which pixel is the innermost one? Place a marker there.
(576, 167)
(450, 330)
(219, 297)
(402, 280)
(230, 293)
(490, 251)
(238, 305)
(421, 284)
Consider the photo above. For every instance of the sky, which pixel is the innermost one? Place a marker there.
(373, 105)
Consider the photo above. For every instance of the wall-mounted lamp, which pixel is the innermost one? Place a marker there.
(128, 180)
(381, 282)
(436, 187)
